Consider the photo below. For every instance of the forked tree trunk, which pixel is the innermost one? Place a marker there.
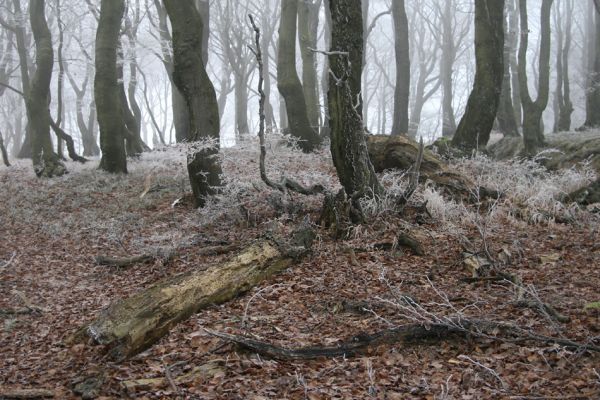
(401, 47)
(592, 110)
(204, 166)
(106, 88)
(507, 119)
(533, 135)
(130, 326)
(475, 126)
(46, 162)
(288, 81)
(348, 143)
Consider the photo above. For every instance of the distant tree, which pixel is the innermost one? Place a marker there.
(533, 135)
(563, 107)
(288, 82)
(3, 151)
(507, 119)
(592, 109)
(106, 88)
(46, 162)
(189, 74)
(477, 123)
(402, 88)
(348, 145)
(308, 25)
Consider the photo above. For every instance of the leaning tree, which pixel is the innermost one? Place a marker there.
(46, 162)
(191, 78)
(475, 126)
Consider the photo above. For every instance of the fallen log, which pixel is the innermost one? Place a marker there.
(400, 152)
(587, 195)
(130, 326)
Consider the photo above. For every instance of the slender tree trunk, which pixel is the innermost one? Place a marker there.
(447, 63)
(477, 123)
(507, 121)
(20, 36)
(562, 97)
(106, 88)
(308, 24)
(265, 42)
(513, 26)
(348, 144)
(533, 135)
(46, 162)
(241, 106)
(288, 81)
(325, 72)
(593, 94)
(61, 78)
(4, 152)
(402, 90)
(204, 167)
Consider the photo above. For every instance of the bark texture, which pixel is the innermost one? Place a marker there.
(308, 25)
(46, 162)
(533, 135)
(132, 325)
(507, 119)
(402, 89)
(288, 81)
(204, 166)
(106, 88)
(592, 118)
(348, 143)
(475, 126)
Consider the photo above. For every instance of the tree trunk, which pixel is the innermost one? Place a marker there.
(46, 162)
(592, 118)
(288, 82)
(401, 47)
(3, 151)
(446, 65)
(475, 126)
(130, 326)
(106, 88)
(308, 24)
(26, 149)
(348, 143)
(241, 105)
(564, 106)
(513, 26)
(204, 166)
(133, 140)
(533, 136)
(507, 119)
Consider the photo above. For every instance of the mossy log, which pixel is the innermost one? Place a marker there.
(132, 325)
(400, 152)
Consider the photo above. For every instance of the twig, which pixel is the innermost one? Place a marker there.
(285, 183)
(7, 263)
(485, 368)
(243, 322)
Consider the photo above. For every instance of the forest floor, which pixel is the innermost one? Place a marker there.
(51, 231)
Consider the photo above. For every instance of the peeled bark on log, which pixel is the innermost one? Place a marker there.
(132, 325)
(400, 152)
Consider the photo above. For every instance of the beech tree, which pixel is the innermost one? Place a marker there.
(106, 88)
(348, 144)
(533, 136)
(189, 74)
(592, 110)
(288, 81)
(475, 126)
(402, 89)
(46, 162)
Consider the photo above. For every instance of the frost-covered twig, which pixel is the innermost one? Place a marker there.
(485, 368)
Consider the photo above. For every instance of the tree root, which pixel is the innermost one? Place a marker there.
(413, 333)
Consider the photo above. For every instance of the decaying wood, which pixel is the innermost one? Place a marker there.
(134, 324)
(405, 334)
(205, 371)
(400, 152)
(6, 393)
